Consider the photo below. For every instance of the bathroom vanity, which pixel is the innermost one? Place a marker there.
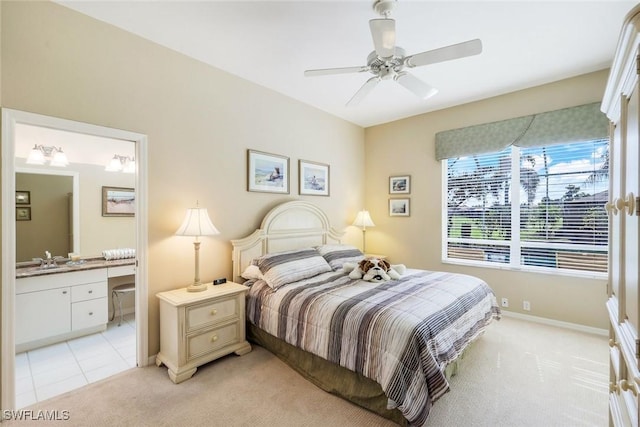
(54, 305)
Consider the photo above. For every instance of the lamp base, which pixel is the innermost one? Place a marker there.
(197, 287)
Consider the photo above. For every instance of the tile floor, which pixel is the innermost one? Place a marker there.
(56, 369)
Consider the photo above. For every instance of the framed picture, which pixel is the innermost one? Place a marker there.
(267, 172)
(118, 201)
(314, 178)
(23, 213)
(23, 197)
(400, 184)
(398, 207)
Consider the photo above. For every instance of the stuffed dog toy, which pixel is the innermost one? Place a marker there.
(374, 270)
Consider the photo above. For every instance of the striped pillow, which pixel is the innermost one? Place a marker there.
(281, 268)
(337, 255)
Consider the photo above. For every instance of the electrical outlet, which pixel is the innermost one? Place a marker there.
(526, 305)
(505, 302)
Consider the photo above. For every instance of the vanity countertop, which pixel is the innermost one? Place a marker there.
(31, 269)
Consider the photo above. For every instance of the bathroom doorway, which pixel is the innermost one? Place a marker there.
(106, 140)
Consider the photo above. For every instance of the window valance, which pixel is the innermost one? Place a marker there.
(574, 124)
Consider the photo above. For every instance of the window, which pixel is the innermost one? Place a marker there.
(530, 207)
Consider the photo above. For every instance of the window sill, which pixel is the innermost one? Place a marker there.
(548, 271)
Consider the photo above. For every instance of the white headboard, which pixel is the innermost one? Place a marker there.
(291, 225)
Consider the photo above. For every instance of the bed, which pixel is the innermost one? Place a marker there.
(384, 346)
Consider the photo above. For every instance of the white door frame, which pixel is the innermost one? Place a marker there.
(7, 328)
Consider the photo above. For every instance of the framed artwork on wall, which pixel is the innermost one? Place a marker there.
(23, 213)
(118, 201)
(400, 184)
(398, 207)
(267, 172)
(314, 178)
(23, 197)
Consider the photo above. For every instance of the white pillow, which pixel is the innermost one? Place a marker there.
(252, 273)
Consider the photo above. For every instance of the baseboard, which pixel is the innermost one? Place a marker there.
(151, 360)
(558, 323)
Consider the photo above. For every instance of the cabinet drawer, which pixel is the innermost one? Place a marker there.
(88, 291)
(86, 314)
(211, 313)
(121, 270)
(213, 340)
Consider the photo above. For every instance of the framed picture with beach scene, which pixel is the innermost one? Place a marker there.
(314, 178)
(267, 172)
(118, 201)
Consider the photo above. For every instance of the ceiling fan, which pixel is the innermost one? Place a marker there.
(389, 61)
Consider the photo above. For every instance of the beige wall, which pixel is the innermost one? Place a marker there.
(199, 121)
(408, 147)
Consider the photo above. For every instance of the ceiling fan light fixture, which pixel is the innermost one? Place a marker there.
(388, 61)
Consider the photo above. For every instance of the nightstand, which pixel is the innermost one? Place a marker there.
(198, 327)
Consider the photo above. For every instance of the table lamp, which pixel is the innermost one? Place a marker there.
(363, 220)
(197, 223)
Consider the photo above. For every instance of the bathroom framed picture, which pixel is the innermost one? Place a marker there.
(23, 213)
(23, 197)
(118, 201)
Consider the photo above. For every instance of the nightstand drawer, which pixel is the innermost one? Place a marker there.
(211, 313)
(210, 341)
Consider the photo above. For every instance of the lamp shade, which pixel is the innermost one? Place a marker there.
(59, 158)
(363, 219)
(36, 157)
(197, 223)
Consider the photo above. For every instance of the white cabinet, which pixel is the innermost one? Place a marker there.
(198, 327)
(42, 314)
(621, 103)
(59, 306)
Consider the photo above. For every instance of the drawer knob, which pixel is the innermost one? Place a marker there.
(90, 291)
(214, 312)
(629, 386)
(91, 313)
(64, 292)
(214, 338)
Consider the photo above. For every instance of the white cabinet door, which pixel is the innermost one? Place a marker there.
(42, 314)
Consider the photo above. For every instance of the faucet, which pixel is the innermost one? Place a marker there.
(49, 262)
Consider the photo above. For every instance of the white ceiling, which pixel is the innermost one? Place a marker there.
(525, 44)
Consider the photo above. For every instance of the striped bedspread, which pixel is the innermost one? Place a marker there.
(399, 333)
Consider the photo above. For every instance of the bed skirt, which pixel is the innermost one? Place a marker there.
(328, 376)
(333, 378)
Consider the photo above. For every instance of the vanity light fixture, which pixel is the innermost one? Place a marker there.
(363, 220)
(40, 154)
(197, 223)
(120, 163)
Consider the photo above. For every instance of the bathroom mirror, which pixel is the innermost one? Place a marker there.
(45, 219)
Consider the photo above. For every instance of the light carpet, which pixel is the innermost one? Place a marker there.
(518, 374)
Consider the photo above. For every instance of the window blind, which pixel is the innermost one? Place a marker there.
(536, 207)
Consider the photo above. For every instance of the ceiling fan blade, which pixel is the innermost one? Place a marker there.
(363, 91)
(415, 85)
(343, 70)
(383, 32)
(447, 53)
